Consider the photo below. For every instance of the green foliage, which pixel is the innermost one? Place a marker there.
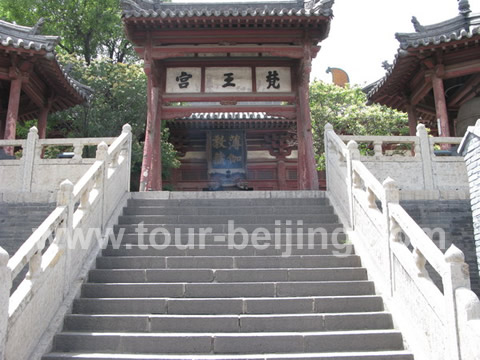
(87, 27)
(119, 98)
(169, 155)
(23, 129)
(346, 109)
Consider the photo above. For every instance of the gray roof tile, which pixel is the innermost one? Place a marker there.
(464, 26)
(28, 38)
(153, 9)
(457, 28)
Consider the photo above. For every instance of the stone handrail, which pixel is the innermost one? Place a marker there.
(379, 141)
(61, 249)
(418, 169)
(20, 143)
(36, 243)
(362, 176)
(77, 144)
(32, 173)
(432, 321)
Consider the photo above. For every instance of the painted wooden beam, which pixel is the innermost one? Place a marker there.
(288, 97)
(419, 93)
(165, 52)
(462, 92)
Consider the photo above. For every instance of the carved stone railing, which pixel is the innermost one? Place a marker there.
(436, 324)
(420, 170)
(33, 173)
(61, 249)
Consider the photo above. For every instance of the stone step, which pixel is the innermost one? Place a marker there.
(222, 305)
(236, 275)
(228, 210)
(191, 295)
(289, 202)
(212, 290)
(224, 250)
(227, 262)
(364, 355)
(230, 343)
(223, 238)
(226, 228)
(265, 218)
(228, 323)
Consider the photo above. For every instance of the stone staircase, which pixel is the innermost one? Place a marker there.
(17, 222)
(218, 302)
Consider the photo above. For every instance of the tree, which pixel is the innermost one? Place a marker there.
(87, 27)
(346, 109)
(120, 97)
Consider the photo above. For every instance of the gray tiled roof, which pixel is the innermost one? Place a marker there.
(232, 115)
(229, 120)
(464, 26)
(460, 27)
(153, 9)
(26, 37)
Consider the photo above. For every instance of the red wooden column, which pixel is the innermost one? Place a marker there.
(281, 173)
(156, 167)
(2, 128)
(12, 112)
(148, 149)
(440, 102)
(412, 119)
(42, 120)
(2, 125)
(307, 172)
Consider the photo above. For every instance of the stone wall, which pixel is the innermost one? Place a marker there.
(421, 170)
(470, 148)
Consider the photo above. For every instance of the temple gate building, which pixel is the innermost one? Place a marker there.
(231, 83)
(436, 72)
(32, 82)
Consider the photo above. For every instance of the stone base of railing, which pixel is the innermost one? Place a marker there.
(20, 197)
(460, 194)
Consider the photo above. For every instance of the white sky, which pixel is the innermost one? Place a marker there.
(362, 33)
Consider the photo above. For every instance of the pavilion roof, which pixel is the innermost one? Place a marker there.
(159, 9)
(457, 28)
(28, 38)
(460, 32)
(28, 41)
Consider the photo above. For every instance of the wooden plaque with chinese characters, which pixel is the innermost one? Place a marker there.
(236, 79)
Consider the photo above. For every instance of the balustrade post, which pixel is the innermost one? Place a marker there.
(127, 129)
(420, 262)
(65, 198)
(29, 159)
(391, 196)
(426, 153)
(5, 286)
(78, 152)
(456, 275)
(328, 128)
(102, 155)
(353, 154)
(377, 148)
